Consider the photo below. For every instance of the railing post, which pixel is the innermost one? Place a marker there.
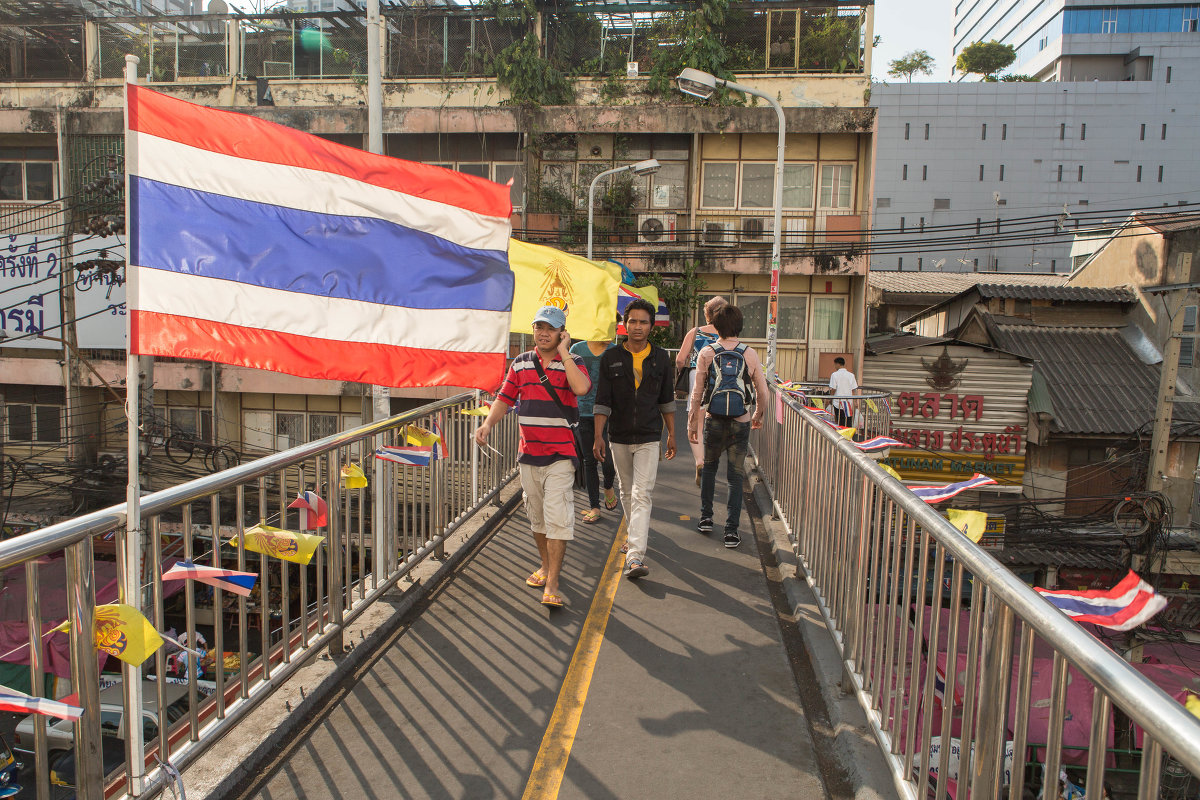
(857, 606)
(85, 673)
(33, 610)
(333, 471)
(994, 680)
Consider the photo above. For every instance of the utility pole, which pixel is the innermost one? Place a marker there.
(1173, 303)
(76, 431)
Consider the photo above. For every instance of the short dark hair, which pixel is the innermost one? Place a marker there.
(728, 321)
(840, 360)
(640, 304)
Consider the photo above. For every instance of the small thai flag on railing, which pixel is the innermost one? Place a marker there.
(877, 443)
(412, 455)
(1130, 603)
(228, 579)
(21, 703)
(936, 494)
(314, 511)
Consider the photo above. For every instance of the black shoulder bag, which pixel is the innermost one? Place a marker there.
(574, 426)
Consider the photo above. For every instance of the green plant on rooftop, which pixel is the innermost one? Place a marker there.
(698, 43)
(531, 78)
(828, 41)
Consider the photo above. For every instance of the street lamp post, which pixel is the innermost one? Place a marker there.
(704, 85)
(640, 168)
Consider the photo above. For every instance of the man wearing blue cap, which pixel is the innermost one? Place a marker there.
(546, 380)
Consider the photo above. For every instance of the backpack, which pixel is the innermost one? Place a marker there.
(728, 391)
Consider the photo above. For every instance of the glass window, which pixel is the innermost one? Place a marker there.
(11, 185)
(149, 728)
(39, 181)
(792, 317)
(669, 187)
(719, 185)
(635, 146)
(185, 420)
(1187, 351)
(503, 147)
(289, 430)
(836, 185)
(798, 185)
(110, 722)
(49, 424)
(505, 172)
(758, 185)
(20, 423)
(478, 170)
(828, 318)
(321, 425)
(754, 315)
(672, 146)
(256, 430)
(1189, 319)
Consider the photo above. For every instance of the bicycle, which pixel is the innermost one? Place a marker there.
(181, 447)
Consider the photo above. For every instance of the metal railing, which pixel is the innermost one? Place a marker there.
(257, 642)
(885, 567)
(872, 407)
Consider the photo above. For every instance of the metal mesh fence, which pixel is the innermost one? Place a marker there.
(428, 44)
(41, 52)
(331, 45)
(188, 49)
(119, 38)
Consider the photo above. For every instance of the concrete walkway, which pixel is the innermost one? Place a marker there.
(690, 692)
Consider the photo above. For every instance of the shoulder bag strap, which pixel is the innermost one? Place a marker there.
(551, 390)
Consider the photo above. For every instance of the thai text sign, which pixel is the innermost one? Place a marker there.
(951, 436)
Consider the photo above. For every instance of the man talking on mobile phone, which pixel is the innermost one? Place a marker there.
(546, 380)
(636, 398)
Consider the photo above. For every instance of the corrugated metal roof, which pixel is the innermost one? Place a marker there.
(1083, 294)
(1168, 222)
(955, 282)
(900, 341)
(1081, 557)
(1096, 383)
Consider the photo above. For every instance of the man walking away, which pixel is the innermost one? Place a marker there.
(843, 384)
(637, 391)
(729, 379)
(546, 381)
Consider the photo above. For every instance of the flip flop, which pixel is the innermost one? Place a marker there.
(591, 515)
(553, 600)
(536, 581)
(610, 499)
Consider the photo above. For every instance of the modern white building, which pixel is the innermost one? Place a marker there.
(1110, 127)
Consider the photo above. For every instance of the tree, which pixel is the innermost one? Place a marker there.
(1019, 78)
(910, 64)
(985, 58)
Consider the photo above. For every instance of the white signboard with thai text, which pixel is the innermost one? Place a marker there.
(30, 282)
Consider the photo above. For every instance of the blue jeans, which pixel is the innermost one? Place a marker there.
(731, 438)
(587, 434)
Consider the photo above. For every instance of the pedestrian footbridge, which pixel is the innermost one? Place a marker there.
(409, 658)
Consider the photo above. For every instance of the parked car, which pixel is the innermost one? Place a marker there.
(60, 733)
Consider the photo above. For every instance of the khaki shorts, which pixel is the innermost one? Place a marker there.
(550, 498)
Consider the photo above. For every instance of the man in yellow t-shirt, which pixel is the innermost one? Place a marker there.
(636, 398)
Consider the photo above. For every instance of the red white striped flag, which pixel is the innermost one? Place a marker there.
(21, 703)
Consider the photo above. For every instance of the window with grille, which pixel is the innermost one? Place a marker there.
(28, 173)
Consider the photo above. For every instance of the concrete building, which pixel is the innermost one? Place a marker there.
(1015, 167)
(610, 102)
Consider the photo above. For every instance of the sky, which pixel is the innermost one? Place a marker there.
(907, 25)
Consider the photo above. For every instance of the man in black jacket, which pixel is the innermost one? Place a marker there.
(637, 390)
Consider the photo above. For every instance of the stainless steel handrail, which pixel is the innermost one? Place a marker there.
(853, 527)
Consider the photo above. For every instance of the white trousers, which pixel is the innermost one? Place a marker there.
(637, 470)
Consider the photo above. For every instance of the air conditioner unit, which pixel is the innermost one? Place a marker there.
(756, 229)
(656, 228)
(717, 234)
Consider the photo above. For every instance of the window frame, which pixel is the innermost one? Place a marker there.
(850, 184)
(739, 177)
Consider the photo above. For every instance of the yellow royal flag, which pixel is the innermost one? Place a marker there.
(848, 432)
(422, 437)
(353, 477)
(890, 471)
(1193, 704)
(971, 523)
(481, 411)
(122, 631)
(585, 290)
(288, 545)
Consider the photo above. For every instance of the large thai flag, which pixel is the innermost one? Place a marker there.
(258, 245)
(1125, 606)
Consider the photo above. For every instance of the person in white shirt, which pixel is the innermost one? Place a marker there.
(843, 384)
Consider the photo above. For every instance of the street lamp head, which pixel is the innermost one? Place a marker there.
(697, 83)
(646, 167)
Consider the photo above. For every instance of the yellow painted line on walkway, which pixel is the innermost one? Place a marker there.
(551, 762)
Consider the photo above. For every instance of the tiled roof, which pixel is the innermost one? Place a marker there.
(950, 283)
(1096, 383)
(1081, 294)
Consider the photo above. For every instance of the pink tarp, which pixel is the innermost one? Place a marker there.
(52, 601)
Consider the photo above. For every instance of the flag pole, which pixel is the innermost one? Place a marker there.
(131, 575)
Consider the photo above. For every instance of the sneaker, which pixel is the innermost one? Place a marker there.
(705, 525)
(732, 539)
(636, 569)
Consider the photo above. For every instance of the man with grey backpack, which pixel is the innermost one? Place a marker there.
(729, 379)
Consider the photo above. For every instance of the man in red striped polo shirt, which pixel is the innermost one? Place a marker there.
(548, 456)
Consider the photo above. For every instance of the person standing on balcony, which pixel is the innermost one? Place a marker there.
(546, 381)
(590, 352)
(696, 340)
(732, 378)
(637, 391)
(843, 384)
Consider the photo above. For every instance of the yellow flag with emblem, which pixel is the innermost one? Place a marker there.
(122, 631)
(585, 290)
(971, 523)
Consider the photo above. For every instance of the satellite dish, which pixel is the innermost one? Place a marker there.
(218, 7)
(938, 264)
(652, 229)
